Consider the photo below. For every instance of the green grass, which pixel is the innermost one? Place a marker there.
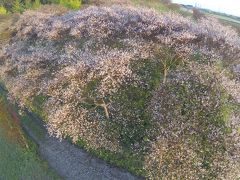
(3, 10)
(71, 4)
(18, 154)
(17, 162)
(37, 104)
(35, 128)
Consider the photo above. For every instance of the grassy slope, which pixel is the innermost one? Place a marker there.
(18, 154)
(17, 162)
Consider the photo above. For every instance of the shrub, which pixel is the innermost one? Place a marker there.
(17, 7)
(3, 10)
(27, 4)
(7, 4)
(36, 4)
(197, 14)
(97, 71)
(22, 5)
(194, 138)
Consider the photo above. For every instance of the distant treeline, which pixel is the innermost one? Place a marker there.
(11, 6)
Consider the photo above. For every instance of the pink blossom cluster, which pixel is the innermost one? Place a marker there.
(206, 36)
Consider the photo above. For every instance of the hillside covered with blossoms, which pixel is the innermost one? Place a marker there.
(156, 93)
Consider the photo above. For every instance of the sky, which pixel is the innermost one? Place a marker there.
(227, 6)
